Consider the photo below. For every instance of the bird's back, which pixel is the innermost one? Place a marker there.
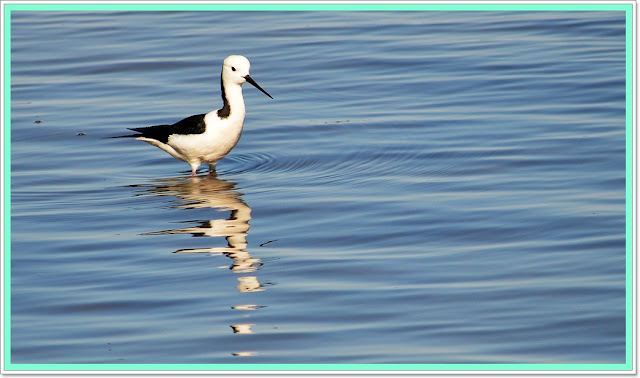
(190, 125)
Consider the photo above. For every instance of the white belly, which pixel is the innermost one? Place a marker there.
(208, 147)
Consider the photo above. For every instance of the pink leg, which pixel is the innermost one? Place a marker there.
(194, 167)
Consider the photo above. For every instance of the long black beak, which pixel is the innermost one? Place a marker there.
(252, 82)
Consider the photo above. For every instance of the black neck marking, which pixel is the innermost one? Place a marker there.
(226, 108)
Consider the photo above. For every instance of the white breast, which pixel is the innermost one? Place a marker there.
(215, 143)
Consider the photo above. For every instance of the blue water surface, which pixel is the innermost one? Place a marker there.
(425, 187)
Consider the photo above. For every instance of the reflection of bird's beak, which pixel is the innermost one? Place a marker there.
(252, 82)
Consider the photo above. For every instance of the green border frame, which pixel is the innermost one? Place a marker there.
(630, 13)
(390, 6)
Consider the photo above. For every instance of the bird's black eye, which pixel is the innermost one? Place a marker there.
(233, 68)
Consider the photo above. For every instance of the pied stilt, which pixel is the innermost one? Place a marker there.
(206, 138)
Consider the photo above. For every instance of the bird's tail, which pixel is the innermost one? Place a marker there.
(124, 136)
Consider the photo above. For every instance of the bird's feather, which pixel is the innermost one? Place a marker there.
(190, 125)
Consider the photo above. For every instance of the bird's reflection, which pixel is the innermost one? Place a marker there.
(220, 195)
(211, 192)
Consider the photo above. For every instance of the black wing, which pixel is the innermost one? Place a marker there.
(190, 125)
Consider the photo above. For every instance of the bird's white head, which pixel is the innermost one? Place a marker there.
(235, 69)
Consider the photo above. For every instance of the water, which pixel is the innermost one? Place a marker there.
(425, 187)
